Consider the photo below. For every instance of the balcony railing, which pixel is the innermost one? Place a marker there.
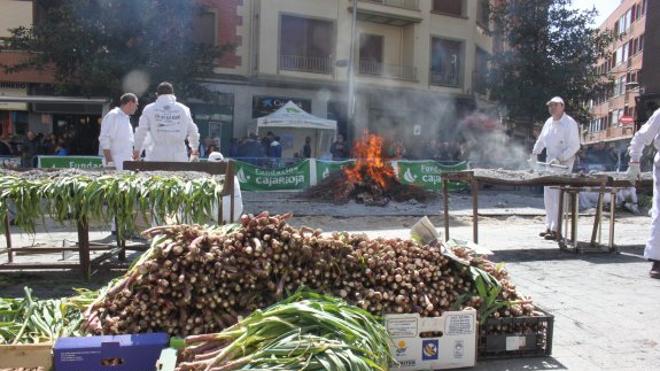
(450, 77)
(388, 70)
(611, 133)
(406, 4)
(299, 63)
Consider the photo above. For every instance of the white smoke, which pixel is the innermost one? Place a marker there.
(136, 81)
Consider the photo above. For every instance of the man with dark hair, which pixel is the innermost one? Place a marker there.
(165, 88)
(169, 124)
(116, 138)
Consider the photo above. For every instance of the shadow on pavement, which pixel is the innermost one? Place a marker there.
(628, 254)
(548, 363)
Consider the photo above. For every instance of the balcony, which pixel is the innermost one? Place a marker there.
(319, 65)
(390, 12)
(393, 71)
(610, 134)
(405, 4)
(449, 78)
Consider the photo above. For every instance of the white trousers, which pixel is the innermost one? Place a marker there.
(652, 250)
(551, 202)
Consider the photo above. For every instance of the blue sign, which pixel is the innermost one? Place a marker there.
(430, 350)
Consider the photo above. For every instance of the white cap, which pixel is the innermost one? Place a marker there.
(216, 157)
(555, 100)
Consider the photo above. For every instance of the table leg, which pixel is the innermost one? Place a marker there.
(575, 214)
(83, 247)
(612, 218)
(599, 209)
(475, 210)
(560, 214)
(445, 201)
(10, 253)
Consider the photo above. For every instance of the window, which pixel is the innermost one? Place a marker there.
(480, 70)
(446, 61)
(371, 54)
(483, 13)
(306, 44)
(643, 7)
(624, 22)
(203, 28)
(641, 43)
(451, 7)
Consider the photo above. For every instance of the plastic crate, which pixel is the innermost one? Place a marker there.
(516, 337)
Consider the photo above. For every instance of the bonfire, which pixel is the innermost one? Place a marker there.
(371, 180)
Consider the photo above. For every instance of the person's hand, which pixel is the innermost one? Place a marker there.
(194, 157)
(633, 171)
(554, 161)
(136, 155)
(109, 165)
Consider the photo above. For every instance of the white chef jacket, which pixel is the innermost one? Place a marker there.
(561, 140)
(117, 136)
(647, 134)
(169, 123)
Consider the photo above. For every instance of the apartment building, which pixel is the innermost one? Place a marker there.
(614, 112)
(34, 107)
(419, 64)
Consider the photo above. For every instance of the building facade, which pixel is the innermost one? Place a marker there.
(419, 64)
(614, 112)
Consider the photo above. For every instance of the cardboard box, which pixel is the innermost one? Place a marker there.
(116, 353)
(451, 341)
(26, 356)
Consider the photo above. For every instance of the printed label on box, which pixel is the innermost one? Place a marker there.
(402, 327)
(460, 324)
(515, 342)
(459, 349)
(430, 350)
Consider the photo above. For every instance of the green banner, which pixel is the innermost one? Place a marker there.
(64, 162)
(428, 174)
(325, 168)
(253, 178)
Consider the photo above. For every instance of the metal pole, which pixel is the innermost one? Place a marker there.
(350, 106)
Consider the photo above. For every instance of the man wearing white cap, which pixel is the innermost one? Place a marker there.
(560, 138)
(647, 134)
(238, 199)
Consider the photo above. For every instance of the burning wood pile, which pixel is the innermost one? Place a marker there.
(371, 180)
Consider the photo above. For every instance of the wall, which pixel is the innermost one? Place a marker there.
(14, 14)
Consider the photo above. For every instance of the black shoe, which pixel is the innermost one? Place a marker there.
(543, 234)
(552, 236)
(655, 270)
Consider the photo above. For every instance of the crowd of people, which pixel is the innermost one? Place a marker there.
(35, 144)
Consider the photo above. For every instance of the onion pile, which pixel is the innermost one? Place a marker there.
(196, 280)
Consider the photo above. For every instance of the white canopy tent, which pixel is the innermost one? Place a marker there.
(292, 124)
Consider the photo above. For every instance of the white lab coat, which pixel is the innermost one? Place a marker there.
(169, 123)
(561, 140)
(117, 136)
(647, 134)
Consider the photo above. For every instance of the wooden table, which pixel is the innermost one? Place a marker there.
(84, 246)
(476, 177)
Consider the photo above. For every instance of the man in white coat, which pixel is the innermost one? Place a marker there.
(169, 123)
(226, 200)
(560, 138)
(647, 134)
(116, 138)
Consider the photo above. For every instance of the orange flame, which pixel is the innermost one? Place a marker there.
(369, 162)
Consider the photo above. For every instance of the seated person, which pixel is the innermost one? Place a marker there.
(625, 198)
